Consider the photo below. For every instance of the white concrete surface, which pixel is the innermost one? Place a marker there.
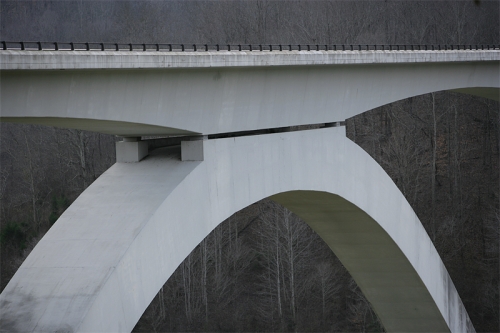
(162, 93)
(103, 261)
(35, 60)
(192, 150)
(131, 151)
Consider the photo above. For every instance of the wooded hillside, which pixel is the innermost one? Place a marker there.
(263, 269)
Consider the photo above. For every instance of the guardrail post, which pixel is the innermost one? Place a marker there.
(281, 47)
(130, 47)
(206, 47)
(250, 47)
(194, 47)
(56, 46)
(22, 46)
(39, 46)
(229, 47)
(182, 47)
(102, 46)
(217, 46)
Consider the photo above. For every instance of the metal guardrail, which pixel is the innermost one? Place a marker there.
(63, 46)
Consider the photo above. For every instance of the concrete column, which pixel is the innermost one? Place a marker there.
(192, 150)
(130, 150)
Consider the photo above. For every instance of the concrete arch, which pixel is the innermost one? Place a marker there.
(105, 259)
(133, 94)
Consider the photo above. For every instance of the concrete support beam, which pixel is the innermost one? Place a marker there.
(188, 101)
(131, 150)
(192, 150)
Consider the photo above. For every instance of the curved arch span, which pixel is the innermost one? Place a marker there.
(105, 259)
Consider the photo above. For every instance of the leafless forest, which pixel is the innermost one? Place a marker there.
(263, 269)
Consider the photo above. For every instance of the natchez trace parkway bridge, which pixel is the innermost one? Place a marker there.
(104, 260)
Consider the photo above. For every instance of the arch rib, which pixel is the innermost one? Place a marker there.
(105, 259)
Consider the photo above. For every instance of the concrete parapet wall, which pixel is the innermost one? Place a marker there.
(36, 60)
